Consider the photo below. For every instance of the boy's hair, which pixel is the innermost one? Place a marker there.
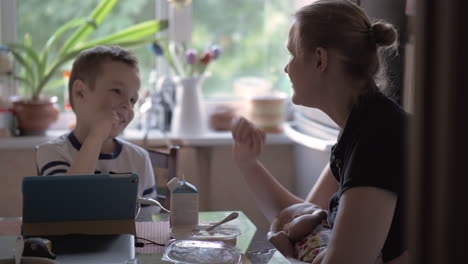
(88, 62)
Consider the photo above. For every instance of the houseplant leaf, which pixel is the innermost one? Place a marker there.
(23, 79)
(71, 24)
(135, 32)
(98, 14)
(29, 73)
(32, 56)
(124, 44)
(50, 72)
(54, 84)
(57, 34)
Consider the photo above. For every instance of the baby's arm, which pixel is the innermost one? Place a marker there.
(303, 225)
(277, 235)
(279, 238)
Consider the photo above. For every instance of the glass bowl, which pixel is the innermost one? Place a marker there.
(201, 252)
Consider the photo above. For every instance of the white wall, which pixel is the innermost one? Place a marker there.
(221, 185)
(14, 165)
(309, 163)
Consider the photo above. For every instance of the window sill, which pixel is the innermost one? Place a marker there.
(211, 138)
(315, 137)
(155, 138)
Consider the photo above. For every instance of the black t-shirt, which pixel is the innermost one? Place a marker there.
(370, 152)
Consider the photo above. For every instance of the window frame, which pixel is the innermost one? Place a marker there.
(8, 21)
(179, 29)
(8, 32)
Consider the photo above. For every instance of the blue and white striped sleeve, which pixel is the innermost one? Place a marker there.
(50, 161)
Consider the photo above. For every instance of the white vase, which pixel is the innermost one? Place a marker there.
(189, 116)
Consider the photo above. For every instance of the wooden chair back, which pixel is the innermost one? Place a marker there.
(164, 161)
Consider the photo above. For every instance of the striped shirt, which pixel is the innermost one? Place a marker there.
(56, 156)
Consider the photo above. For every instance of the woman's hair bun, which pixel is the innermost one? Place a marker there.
(384, 34)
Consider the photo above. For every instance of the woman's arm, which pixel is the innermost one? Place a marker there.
(323, 189)
(271, 197)
(361, 226)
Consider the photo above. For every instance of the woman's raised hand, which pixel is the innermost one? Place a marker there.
(248, 142)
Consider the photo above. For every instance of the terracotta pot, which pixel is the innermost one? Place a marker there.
(34, 117)
(268, 112)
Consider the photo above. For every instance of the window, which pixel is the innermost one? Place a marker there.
(53, 13)
(252, 34)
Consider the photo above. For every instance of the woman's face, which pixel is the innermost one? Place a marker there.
(302, 74)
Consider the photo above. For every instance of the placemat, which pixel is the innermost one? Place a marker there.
(155, 231)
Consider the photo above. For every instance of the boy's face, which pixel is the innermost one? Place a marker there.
(115, 90)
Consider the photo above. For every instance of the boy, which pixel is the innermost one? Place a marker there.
(103, 90)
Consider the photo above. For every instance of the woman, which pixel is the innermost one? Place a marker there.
(335, 67)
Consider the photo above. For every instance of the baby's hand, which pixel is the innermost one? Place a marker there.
(281, 242)
(248, 141)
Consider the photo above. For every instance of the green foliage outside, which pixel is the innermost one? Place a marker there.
(252, 34)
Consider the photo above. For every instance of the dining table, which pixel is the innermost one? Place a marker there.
(251, 242)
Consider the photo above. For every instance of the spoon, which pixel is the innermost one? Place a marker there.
(228, 218)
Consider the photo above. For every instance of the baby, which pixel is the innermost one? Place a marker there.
(300, 231)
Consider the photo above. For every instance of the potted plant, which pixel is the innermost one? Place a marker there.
(35, 112)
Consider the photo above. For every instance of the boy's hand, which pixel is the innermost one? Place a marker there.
(103, 124)
(248, 142)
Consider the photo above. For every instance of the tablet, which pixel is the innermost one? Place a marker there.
(80, 203)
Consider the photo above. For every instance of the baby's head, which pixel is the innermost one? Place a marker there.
(104, 78)
(281, 222)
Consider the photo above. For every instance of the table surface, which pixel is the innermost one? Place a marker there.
(252, 243)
